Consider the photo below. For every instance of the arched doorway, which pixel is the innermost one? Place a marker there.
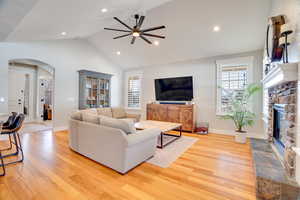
(31, 92)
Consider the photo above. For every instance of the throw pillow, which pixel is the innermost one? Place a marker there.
(118, 113)
(126, 126)
(92, 111)
(104, 112)
(90, 118)
(76, 116)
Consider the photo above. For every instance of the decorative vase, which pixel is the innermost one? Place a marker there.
(241, 137)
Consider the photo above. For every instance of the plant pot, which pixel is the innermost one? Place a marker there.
(241, 137)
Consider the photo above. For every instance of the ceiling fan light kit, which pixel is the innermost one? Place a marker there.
(137, 31)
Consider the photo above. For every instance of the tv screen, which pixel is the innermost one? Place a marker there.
(174, 89)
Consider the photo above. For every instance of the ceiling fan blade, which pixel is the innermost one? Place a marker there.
(123, 23)
(133, 40)
(152, 35)
(121, 36)
(153, 29)
(113, 29)
(141, 21)
(148, 41)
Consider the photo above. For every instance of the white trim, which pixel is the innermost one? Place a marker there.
(232, 133)
(281, 73)
(234, 62)
(128, 74)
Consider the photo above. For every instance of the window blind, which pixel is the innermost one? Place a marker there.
(234, 80)
(133, 93)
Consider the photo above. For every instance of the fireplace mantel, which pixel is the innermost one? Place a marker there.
(280, 73)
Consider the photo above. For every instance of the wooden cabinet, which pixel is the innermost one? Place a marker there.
(184, 114)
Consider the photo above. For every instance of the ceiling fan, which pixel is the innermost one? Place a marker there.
(137, 31)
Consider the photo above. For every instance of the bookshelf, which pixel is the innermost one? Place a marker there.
(94, 89)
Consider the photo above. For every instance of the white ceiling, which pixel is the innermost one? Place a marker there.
(189, 32)
(189, 26)
(11, 13)
(78, 18)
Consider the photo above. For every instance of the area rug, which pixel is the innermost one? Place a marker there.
(166, 156)
(35, 127)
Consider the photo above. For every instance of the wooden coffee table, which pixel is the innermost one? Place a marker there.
(165, 138)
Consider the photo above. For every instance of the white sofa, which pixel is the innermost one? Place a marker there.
(108, 145)
(114, 112)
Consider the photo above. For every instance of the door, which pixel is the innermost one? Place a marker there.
(186, 118)
(173, 113)
(16, 91)
(157, 112)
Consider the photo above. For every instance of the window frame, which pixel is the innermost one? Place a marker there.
(128, 75)
(234, 62)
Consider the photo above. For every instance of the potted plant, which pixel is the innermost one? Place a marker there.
(239, 111)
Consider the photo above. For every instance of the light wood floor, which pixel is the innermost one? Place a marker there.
(213, 168)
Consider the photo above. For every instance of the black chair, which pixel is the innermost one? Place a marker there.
(2, 165)
(6, 125)
(12, 130)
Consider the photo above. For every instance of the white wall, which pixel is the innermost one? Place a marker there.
(67, 57)
(205, 86)
(291, 9)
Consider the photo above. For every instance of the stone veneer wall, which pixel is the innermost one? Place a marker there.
(285, 93)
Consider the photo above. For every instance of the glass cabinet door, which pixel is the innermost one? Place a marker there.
(91, 92)
(94, 89)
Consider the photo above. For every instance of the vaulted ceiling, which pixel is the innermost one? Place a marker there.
(47, 19)
(189, 33)
(11, 13)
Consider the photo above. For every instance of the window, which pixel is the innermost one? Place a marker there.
(233, 77)
(133, 90)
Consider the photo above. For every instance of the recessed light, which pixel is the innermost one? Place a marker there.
(216, 28)
(118, 53)
(104, 10)
(156, 43)
(63, 33)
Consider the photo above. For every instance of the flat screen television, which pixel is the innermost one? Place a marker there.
(174, 89)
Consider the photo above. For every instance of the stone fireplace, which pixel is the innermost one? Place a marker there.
(282, 122)
(277, 159)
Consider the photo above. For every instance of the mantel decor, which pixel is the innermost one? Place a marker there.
(285, 40)
(274, 50)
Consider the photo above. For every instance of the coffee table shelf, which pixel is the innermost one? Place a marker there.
(165, 137)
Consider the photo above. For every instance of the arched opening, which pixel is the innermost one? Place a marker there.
(31, 92)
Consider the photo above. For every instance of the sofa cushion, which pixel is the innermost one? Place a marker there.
(104, 112)
(92, 111)
(77, 115)
(87, 117)
(118, 113)
(126, 126)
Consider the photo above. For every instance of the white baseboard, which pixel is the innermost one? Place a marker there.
(230, 132)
